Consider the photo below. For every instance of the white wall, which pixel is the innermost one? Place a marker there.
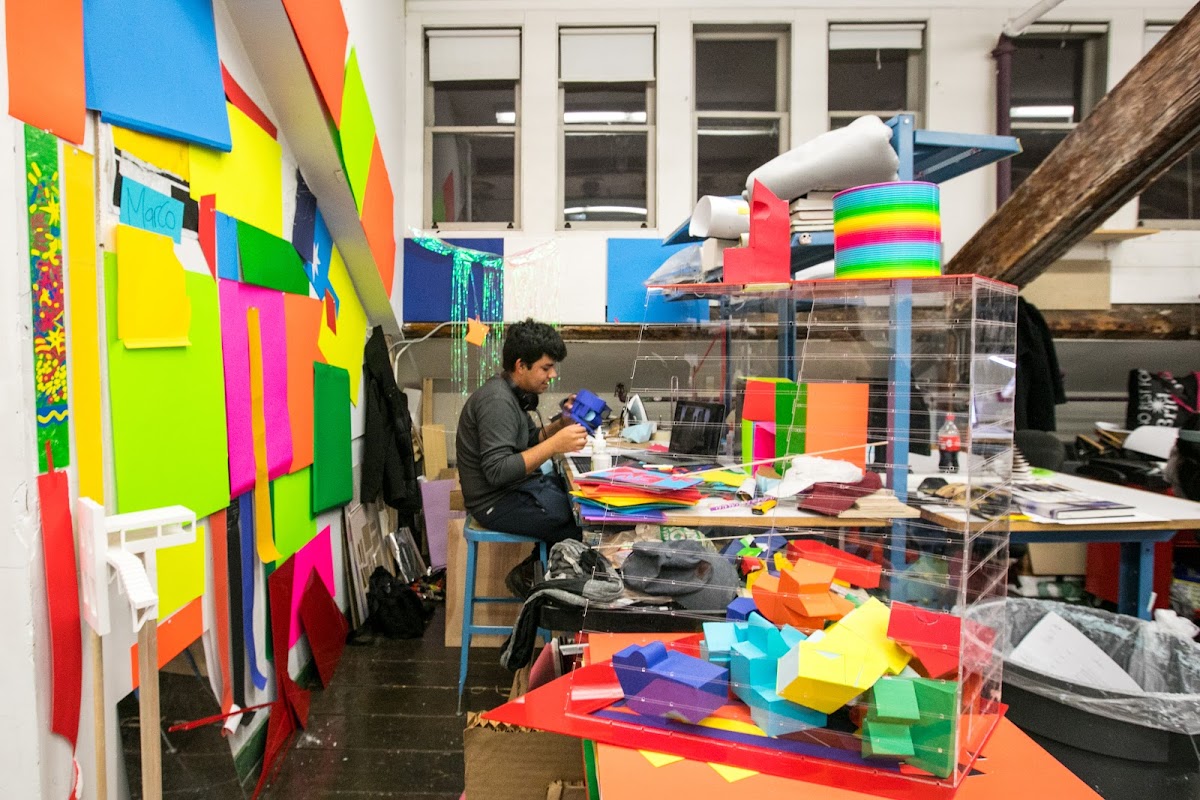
(960, 92)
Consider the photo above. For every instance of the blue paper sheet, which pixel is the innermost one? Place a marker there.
(630, 263)
(250, 563)
(229, 265)
(322, 253)
(304, 222)
(427, 277)
(143, 207)
(152, 66)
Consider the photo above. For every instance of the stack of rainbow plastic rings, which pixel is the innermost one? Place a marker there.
(887, 230)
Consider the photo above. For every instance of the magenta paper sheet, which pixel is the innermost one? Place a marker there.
(316, 556)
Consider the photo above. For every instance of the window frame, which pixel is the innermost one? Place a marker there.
(1092, 73)
(649, 127)
(1160, 28)
(430, 129)
(916, 76)
(781, 115)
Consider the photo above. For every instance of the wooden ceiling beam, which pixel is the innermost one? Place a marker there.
(1146, 123)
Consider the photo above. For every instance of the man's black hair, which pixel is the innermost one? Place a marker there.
(528, 341)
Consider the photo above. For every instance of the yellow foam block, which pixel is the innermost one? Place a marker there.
(869, 622)
(825, 678)
(781, 562)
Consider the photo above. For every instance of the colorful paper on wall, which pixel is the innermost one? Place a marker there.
(175, 633)
(236, 95)
(236, 299)
(322, 255)
(229, 265)
(433, 272)
(152, 66)
(332, 473)
(182, 573)
(250, 569)
(206, 231)
(630, 263)
(153, 211)
(357, 130)
(291, 499)
(45, 66)
(47, 298)
(263, 525)
(248, 182)
(344, 348)
(320, 28)
(168, 155)
(270, 261)
(304, 223)
(153, 309)
(377, 218)
(314, 558)
(84, 372)
(326, 628)
(221, 598)
(168, 410)
(303, 319)
(62, 600)
(233, 621)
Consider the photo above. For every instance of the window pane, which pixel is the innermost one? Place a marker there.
(605, 177)
(1175, 195)
(474, 103)
(1047, 79)
(605, 104)
(733, 75)
(473, 177)
(868, 80)
(728, 150)
(1035, 146)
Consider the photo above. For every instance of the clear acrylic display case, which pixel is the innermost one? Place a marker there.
(862, 666)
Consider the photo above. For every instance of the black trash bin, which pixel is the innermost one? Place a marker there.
(1125, 746)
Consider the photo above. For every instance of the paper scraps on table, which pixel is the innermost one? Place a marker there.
(153, 309)
(62, 600)
(476, 332)
(152, 66)
(263, 527)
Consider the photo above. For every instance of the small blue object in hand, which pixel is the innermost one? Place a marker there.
(588, 410)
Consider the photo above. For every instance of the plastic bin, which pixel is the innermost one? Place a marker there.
(1131, 746)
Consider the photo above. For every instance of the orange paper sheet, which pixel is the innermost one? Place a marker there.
(153, 309)
(175, 633)
(84, 324)
(302, 319)
(836, 422)
(45, 65)
(264, 531)
(377, 218)
(321, 30)
(476, 332)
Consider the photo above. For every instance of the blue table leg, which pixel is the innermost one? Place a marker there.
(1136, 580)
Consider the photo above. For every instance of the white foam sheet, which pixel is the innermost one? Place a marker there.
(858, 154)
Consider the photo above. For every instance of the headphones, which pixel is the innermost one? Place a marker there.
(528, 401)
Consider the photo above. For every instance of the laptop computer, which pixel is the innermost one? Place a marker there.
(695, 434)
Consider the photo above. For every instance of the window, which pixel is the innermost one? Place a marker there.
(876, 68)
(472, 127)
(1175, 195)
(1058, 76)
(606, 101)
(741, 105)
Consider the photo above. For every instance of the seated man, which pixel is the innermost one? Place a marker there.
(500, 450)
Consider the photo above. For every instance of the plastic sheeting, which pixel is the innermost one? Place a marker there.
(1166, 666)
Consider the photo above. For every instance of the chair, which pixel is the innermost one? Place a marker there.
(475, 536)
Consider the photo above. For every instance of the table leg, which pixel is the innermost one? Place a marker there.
(1136, 579)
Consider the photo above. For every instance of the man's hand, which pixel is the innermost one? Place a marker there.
(568, 440)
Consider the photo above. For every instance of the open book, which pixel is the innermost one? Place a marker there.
(1057, 502)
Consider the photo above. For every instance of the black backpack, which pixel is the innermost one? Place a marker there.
(394, 609)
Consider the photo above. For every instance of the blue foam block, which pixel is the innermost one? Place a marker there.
(740, 608)
(630, 263)
(719, 638)
(152, 66)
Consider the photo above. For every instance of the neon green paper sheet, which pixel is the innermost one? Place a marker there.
(168, 410)
(290, 503)
(270, 261)
(332, 474)
(357, 131)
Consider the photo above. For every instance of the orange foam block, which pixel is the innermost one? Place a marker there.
(835, 421)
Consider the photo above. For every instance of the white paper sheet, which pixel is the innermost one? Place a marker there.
(1057, 648)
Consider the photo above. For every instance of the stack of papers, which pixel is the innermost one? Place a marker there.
(813, 212)
(633, 495)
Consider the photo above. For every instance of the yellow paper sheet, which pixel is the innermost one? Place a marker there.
(181, 574)
(248, 181)
(659, 759)
(153, 309)
(345, 348)
(264, 530)
(84, 323)
(166, 154)
(726, 477)
(732, 774)
(476, 332)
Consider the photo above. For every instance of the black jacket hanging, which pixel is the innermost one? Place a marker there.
(388, 466)
(1039, 380)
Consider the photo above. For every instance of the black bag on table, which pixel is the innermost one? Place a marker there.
(1159, 398)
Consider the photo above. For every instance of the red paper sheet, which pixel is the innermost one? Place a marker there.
(325, 626)
(218, 530)
(45, 65)
(62, 598)
(241, 101)
(208, 231)
(321, 30)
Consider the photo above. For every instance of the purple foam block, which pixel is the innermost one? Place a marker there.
(740, 608)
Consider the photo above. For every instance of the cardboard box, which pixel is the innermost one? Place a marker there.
(456, 496)
(1065, 558)
(566, 791)
(508, 762)
(493, 562)
(433, 442)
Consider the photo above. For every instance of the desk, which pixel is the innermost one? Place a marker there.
(1137, 538)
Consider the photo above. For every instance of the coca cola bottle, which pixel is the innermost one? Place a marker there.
(949, 443)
